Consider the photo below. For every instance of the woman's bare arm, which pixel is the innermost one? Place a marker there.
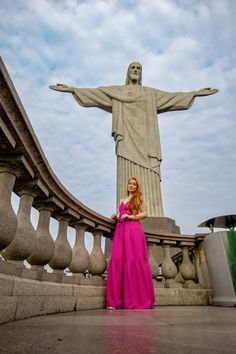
(142, 214)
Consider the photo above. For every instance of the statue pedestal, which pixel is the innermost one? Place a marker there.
(160, 224)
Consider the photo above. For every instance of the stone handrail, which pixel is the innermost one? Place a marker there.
(25, 171)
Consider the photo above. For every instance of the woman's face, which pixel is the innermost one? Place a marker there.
(132, 186)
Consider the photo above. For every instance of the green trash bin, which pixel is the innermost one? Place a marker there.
(221, 259)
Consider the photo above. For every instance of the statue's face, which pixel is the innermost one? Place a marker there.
(135, 70)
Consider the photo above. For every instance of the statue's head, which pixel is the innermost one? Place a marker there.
(134, 74)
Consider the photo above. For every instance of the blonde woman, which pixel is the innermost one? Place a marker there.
(129, 282)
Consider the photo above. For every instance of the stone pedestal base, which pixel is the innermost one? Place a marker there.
(86, 281)
(76, 277)
(160, 224)
(183, 297)
(170, 283)
(18, 269)
(157, 284)
(190, 284)
(97, 280)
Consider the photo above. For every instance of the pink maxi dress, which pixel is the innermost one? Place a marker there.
(129, 281)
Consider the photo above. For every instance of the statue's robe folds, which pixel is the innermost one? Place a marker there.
(135, 130)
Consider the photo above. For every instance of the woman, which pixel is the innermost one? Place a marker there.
(129, 282)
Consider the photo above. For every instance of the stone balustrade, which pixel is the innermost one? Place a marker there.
(187, 268)
(28, 253)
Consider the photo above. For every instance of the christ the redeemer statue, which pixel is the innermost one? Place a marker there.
(135, 129)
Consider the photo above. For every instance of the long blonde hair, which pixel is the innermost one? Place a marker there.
(136, 202)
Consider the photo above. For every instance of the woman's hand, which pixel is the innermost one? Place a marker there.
(127, 217)
(114, 216)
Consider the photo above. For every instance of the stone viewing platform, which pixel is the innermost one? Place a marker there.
(172, 330)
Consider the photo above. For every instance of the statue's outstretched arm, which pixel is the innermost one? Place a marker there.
(205, 91)
(62, 88)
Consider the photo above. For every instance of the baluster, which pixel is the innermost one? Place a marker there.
(24, 241)
(187, 269)
(179, 278)
(62, 252)
(43, 251)
(97, 260)
(152, 261)
(8, 219)
(80, 255)
(202, 267)
(169, 269)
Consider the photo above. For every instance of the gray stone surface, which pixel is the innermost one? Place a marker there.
(9, 268)
(162, 224)
(165, 330)
(6, 284)
(25, 287)
(29, 306)
(179, 296)
(88, 291)
(89, 303)
(8, 306)
(56, 304)
(89, 297)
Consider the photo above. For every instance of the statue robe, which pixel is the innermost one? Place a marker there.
(135, 130)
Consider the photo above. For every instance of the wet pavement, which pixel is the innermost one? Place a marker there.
(165, 330)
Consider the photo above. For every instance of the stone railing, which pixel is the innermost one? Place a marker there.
(187, 268)
(32, 290)
(182, 277)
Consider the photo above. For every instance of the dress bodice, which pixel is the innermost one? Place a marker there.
(124, 208)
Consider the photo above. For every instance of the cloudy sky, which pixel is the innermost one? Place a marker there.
(183, 45)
